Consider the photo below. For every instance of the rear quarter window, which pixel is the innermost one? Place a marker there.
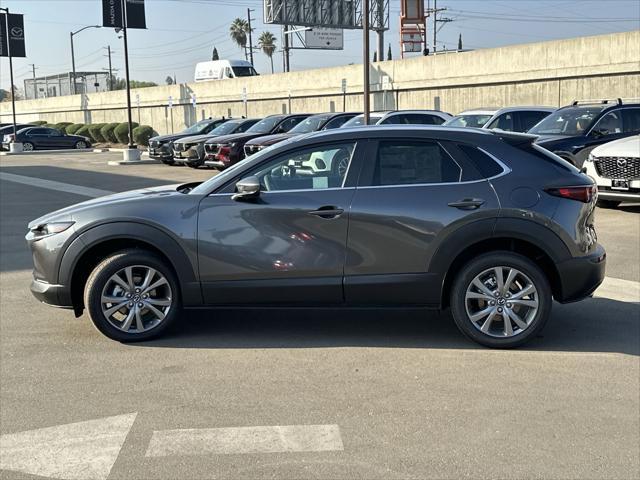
(486, 165)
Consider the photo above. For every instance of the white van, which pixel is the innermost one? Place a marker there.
(222, 69)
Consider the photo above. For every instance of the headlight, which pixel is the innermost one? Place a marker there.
(232, 145)
(52, 228)
(591, 158)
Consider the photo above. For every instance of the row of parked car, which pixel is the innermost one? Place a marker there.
(571, 132)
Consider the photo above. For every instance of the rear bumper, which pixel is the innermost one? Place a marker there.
(581, 276)
(54, 295)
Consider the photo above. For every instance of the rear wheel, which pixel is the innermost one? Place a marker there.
(501, 300)
(608, 203)
(132, 295)
(28, 147)
(81, 144)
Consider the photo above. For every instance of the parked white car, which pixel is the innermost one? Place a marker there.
(509, 119)
(615, 167)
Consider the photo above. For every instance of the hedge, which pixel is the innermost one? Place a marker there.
(107, 132)
(38, 122)
(121, 132)
(94, 132)
(142, 134)
(73, 128)
(83, 131)
(62, 126)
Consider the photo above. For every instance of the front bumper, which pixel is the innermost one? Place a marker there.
(581, 276)
(159, 153)
(54, 295)
(215, 164)
(631, 195)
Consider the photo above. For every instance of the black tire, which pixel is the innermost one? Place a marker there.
(168, 161)
(608, 203)
(487, 261)
(110, 266)
(80, 144)
(194, 164)
(28, 147)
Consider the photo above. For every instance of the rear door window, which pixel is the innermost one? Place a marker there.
(529, 118)
(336, 122)
(631, 120)
(610, 124)
(503, 122)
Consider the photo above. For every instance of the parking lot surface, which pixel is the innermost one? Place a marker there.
(306, 394)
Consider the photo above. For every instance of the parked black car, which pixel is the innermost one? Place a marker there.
(573, 131)
(44, 138)
(489, 224)
(190, 150)
(222, 152)
(161, 147)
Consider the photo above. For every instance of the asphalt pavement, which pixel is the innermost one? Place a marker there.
(301, 394)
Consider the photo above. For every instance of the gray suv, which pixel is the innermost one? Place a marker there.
(486, 223)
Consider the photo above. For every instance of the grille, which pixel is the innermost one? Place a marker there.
(154, 144)
(622, 168)
(211, 147)
(178, 147)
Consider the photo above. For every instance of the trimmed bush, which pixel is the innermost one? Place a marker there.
(121, 132)
(94, 132)
(142, 134)
(107, 132)
(73, 128)
(83, 131)
(62, 126)
(39, 122)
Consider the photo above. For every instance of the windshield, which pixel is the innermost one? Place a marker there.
(311, 124)
(244, 71)
(568, 121)
(470, 120)
(197, 127)
(359, 120)
(225, 128)
(265, 125)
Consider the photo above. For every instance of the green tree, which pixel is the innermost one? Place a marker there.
(214, 54)
(460, 42)
(169, 80)
(389, 56)
(238, 33)
(267, 43)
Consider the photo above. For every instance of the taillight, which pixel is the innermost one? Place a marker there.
(583, 194)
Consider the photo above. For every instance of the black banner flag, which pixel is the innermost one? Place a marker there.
(13, 37)
(112, 13)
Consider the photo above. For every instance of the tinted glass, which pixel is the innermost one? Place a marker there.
(336, 122)
(503, 122)
(265, 125)
(310, 124)
(610, 124)
(487, 166)
(359, 120)
(37, 131)
(406, 162)
(470, 120)
(631, 119)
(315, 168)
(198, 127)
(568, 121)
(412, 119)
(244, 71)
(53, 132)
(529, 118)
(289, 123)
(246, 126)
(225, 128)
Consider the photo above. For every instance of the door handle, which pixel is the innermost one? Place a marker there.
(467, 203)
(327, 211)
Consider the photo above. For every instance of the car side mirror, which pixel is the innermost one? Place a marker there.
(247, 189)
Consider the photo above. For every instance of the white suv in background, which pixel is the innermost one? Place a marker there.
(509, 119)
(615, 167)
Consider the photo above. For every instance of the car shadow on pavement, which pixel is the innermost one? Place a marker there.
(595, 325)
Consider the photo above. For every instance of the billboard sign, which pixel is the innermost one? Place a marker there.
(324, 38)
(112, 13)
(13, 38)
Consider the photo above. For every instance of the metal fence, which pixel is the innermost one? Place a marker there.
(61, 84)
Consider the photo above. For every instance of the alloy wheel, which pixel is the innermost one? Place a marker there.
(136, 299)
(27, 147)
(501, 302)
(81, 144)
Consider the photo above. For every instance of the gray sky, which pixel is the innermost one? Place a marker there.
(183, 32)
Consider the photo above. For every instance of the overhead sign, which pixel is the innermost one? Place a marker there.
(344, 85)
(112, 13)
(12, 40)
(326, 13)
(324, 38)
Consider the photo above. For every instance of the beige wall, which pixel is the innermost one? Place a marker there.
(549, 73)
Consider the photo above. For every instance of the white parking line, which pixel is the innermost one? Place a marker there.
(53, 185)
(619, 289)
(83, 450)
(265, 439)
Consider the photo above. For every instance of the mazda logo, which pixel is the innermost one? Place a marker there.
(622, 162)
(16, 32)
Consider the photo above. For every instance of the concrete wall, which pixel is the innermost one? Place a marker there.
(548, 73)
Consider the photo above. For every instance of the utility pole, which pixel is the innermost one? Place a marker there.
(380, 7)
(442, 20)
(365, 59)
(35, 87)
(250, 36)
(110, 82)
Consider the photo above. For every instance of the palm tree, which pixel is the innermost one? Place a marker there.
(267, 43)
(238, 32)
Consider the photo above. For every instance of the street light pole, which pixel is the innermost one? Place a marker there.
(250, 35)
(126, 71)
(365, 58)
(73, 58)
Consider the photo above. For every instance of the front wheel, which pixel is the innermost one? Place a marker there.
(501, 300)
(28, 147)
(80, 144)
(168, 161)
(132, 295)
